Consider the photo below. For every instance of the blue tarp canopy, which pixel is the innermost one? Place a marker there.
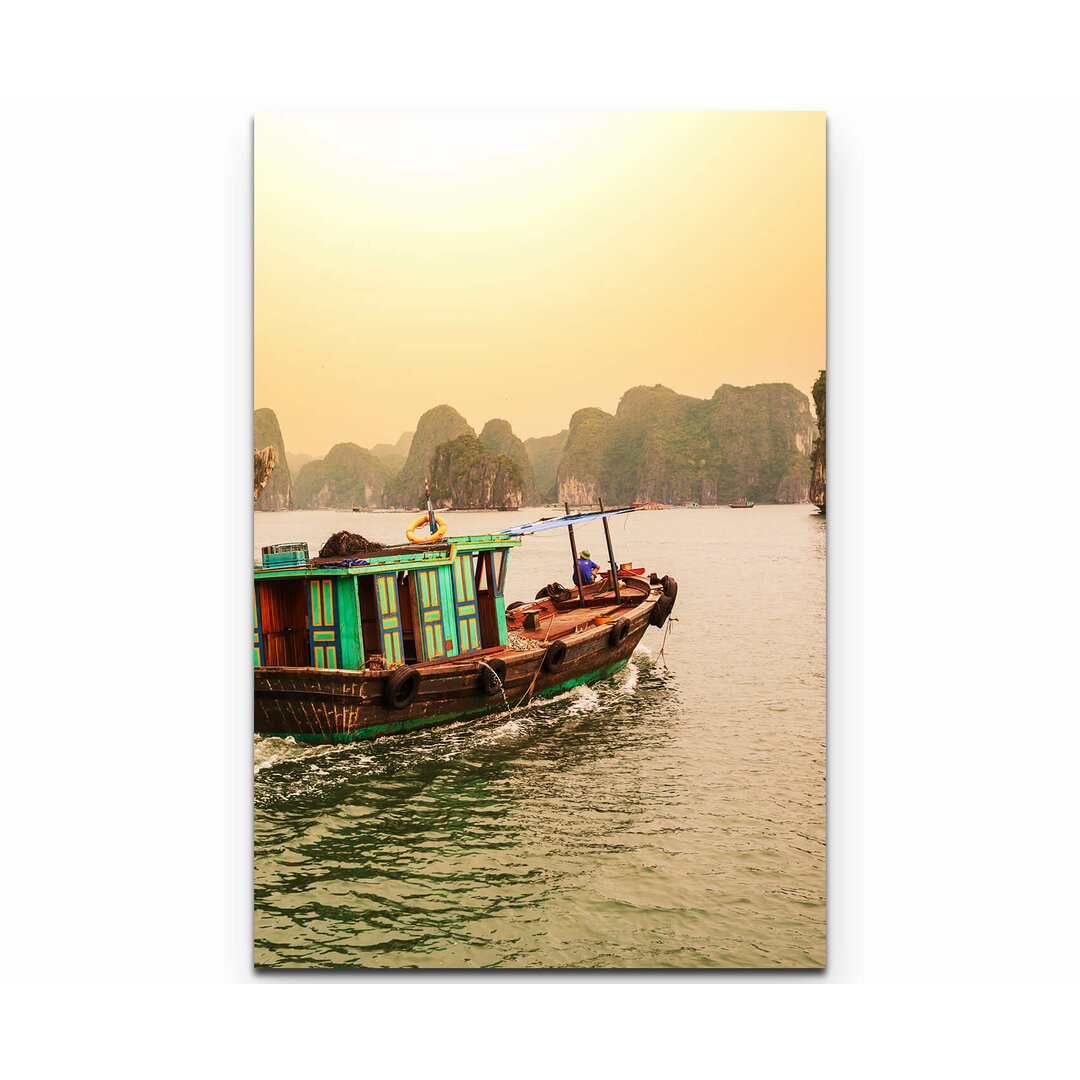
(570, 519)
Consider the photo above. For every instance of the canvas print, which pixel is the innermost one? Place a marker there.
(539, 540)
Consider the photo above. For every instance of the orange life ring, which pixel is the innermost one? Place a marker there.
(438, 534)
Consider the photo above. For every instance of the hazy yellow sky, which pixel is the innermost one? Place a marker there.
(524, 265)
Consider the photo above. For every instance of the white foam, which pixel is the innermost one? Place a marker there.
(269, 752)
(586, 699)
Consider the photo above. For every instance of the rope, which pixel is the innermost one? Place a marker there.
(539, 668)
(663, 644)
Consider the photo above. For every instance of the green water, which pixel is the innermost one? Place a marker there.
(671, 816)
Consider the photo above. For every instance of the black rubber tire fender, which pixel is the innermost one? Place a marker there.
(660, 612)
(555, 656)
(515, 604)
(666, 602)
(619, 632)
(402, 687)
(492, 676)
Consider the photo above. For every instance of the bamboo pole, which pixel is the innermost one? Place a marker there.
(611, 556)
(573, 552)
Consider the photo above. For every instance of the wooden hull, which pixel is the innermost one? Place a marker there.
(321, 705)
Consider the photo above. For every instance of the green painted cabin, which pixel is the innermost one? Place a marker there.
(408, 605)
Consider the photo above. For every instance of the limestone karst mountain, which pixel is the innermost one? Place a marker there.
(265, 462)
(277, 494)
(394, 455)
(744, 442)
(765, 434)
(436, 426)
(348, 476)
(498, 436)
(465, 475)
(817, 456)
(545, 453)
(581, 476)
(298, 461)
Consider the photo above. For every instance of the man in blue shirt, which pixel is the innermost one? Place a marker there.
(585, 569)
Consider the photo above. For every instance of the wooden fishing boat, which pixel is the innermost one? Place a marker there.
(416, 635)
(742, 504)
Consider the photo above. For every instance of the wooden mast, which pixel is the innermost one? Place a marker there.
(573, 552)
(611, 555)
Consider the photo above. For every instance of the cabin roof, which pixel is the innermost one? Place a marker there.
(383, 553)
(399, 557)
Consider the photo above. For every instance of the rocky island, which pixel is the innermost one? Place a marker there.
(465, 475)
(348, 476)
(277, 491)
(545, 453)
(817, 456)
(744, 442)
(498, 437)
(439, 425)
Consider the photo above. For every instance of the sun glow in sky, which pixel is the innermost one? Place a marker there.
(525, 265)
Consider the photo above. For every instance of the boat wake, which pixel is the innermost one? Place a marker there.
(586, 700)
(628, 682)
(640, 678)
(270, 751)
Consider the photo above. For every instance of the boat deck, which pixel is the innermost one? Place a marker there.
(565, 617)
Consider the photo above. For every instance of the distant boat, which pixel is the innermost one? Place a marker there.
(742, 504)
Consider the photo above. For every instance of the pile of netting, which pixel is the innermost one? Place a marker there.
(520, 643)
(346, 544)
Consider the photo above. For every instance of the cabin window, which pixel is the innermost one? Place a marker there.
(500, 570)
(482, 577)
